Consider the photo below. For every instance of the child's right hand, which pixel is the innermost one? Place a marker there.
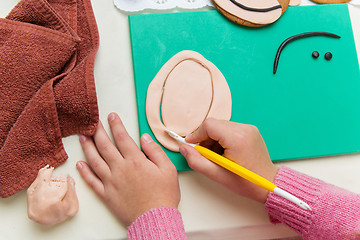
(240, 143)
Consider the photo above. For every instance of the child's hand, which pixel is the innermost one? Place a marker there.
(126, 180)
(240, 143)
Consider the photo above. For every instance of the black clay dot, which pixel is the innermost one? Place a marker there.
(315, 54)
(328, 55)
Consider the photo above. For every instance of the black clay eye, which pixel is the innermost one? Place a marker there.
(315, 54)
(328, 55)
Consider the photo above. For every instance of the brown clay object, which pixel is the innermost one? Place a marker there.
(252, 13)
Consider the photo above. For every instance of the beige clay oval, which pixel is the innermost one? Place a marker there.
(261, 18)
(191, 83)
(188, 89)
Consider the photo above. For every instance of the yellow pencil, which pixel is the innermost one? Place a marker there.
(241, 171)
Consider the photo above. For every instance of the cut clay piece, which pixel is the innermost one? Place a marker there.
(330, 1)
(51, 200)
(188, 89)
(252, 13)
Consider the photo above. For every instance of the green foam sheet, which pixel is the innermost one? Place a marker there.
(309, 108)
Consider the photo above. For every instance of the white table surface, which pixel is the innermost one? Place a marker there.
(205, 205)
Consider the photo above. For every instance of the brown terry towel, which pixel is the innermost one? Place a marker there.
(47, 90)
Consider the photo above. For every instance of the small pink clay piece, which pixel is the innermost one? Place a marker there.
(51, 200)
(188, 89)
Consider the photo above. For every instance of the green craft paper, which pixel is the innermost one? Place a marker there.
(309, 108)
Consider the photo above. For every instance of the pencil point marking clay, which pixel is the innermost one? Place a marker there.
(51, 200)
(187, 90)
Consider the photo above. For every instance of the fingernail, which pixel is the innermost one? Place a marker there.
(82, 138)
(111, 117)
(147, 139)
(183, 151)
(79, 165)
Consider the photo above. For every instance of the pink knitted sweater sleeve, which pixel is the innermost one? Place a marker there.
(164, 223)
(335, 212)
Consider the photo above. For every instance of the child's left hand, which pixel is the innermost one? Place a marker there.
(127, 181)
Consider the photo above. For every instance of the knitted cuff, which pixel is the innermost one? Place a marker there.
(162, 223)
(300, 185)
